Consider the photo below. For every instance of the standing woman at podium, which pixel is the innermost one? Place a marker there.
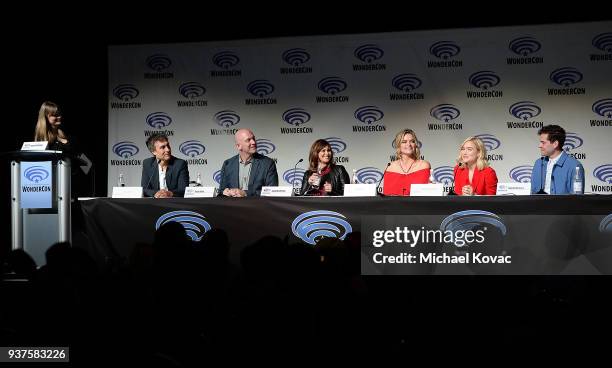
(48, 127)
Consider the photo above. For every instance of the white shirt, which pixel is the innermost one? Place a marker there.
(162, 178)
(549, 170)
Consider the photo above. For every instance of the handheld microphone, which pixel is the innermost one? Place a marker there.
(381, 179)
(541, 191)
(294, 178)
(451, 192)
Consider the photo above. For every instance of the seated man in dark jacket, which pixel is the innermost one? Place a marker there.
(163, 176)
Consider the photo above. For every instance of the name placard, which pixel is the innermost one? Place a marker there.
(127, 192)
(426, 190)
(276, 191)
(34, 146)
(199, 192)
(359, 190)
(513, 188)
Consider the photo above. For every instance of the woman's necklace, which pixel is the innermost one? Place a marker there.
(402, 167)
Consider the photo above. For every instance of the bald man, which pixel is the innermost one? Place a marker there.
(244, 174)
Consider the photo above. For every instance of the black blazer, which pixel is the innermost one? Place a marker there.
(263, 173)
(177, 176)
(337, 177)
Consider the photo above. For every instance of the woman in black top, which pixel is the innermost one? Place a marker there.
(323, 177)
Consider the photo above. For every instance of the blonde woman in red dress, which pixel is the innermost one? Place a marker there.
(408, 168)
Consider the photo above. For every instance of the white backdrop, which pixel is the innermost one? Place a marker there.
(360, 90)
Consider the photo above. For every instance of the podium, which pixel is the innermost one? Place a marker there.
(40, 200)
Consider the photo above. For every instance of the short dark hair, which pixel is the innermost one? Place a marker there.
(155, 138)
(555, 133)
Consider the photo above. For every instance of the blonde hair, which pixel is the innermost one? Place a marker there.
(44, 131)
(481, 160)
(398, 141)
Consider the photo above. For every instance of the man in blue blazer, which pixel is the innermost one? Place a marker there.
(163, 168)
(244, 174)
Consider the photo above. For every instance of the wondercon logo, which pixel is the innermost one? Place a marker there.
(217, 176)
(226, 118)
(314, 225)
(126, 92)
(294, 177)
(566, 76)
(337, 144)
(125, 149)
(265, 146)
(603, 42)
(470, 220)
(490, 141)
(368, 175)
(406, 82)
(192, 148)
(444, 49)
(524, 46)
(226, 59)
(158, 62)
(296, 57)
(524, 110)
(368, 53)
(194, 223)
(603, 173)
(521, 174)
(444, 112)
(484, 79)
(368, 114)
(192, 90)
(331, 85)
(572, 141)
(35, 173)
(296, 116)
(605, 226)
(260, 88)
(158, 120)
(443, 174)
(603, 108)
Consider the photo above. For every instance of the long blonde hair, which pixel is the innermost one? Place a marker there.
(44, 131)
(398, 141)
(481, 160)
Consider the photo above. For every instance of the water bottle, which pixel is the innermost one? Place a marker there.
(577, 181)
(120, 181)
(199, 180)
(354, 179)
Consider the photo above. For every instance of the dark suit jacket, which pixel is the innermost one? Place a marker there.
(177, 176)
(263, 173)
(337, 178)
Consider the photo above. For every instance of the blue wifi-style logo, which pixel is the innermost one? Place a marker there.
(217, 176)
(158, 62)
(337, 144)
(332, 85)
(484, 79)
(126, 92)
(445, 112)
(158, 120)
(125, 149)
(192, 148)
(369, 114)
(604, 173)
(603, 42)
(194, 223)
(443, 174)
(296, 57)
(226, 118)
(260, 88)
(36, 173)
(603, 108)
(605, 226)
(572, 141)
(406, 82)
(471, 219)
(521, 174)
(225, 59)
(192, 90)
(524, 110)
(296, 116)
(368, 53)
(490, 141)
(524, 45)
(444, 49)
(566, 76)
(294, 177)
(314, 225)
(368, 175)
(265, 146)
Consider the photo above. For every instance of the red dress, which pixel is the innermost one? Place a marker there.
(483, 182)
(399, 184)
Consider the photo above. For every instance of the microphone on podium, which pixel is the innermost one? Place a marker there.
(294, 178)
(381, 179)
